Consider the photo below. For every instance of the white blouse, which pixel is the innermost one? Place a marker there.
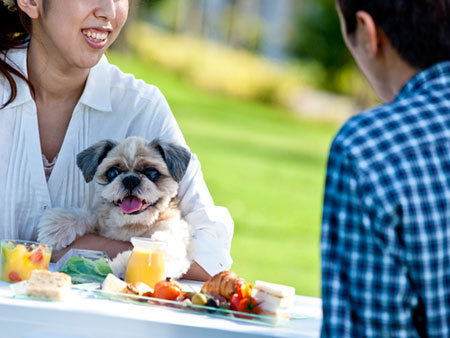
(113, 105)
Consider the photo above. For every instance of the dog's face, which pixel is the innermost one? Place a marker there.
(137, 179)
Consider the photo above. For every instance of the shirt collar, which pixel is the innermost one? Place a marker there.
(438, 73)
(96, 94)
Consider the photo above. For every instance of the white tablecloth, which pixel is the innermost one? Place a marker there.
(89, 317)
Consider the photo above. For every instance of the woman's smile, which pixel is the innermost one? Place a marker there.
(95, 37)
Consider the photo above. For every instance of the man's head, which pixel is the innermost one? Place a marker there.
(379, 31)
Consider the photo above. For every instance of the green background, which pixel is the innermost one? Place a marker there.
(262, 163)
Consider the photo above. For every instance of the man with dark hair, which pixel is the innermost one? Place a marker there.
(386, 217)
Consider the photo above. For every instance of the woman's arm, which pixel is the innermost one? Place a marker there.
(94, 242)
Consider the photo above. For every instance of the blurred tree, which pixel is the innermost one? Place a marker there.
(146, 5)
(317, 36)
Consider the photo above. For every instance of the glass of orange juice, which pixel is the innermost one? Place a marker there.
(146, 263)
(20, 258)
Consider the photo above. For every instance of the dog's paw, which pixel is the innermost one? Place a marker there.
(176, 267)
(178, 252)
(177, 258)
(119, 264)
(60, 227)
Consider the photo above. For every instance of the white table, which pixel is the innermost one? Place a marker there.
(89, 317)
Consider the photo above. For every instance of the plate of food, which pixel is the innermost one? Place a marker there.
(224, 295)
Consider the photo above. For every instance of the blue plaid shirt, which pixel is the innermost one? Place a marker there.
(386, 218)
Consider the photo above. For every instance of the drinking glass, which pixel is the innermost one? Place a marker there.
(146, 263)
(20, 258)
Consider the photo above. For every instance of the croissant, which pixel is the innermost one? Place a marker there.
(224, 283)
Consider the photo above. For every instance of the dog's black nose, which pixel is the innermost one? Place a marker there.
(131, 182)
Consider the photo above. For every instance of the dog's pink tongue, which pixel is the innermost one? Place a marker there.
(130, 204)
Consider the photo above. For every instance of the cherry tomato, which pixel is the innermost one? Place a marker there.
(248, 305)
(234, 303)
(167, 289)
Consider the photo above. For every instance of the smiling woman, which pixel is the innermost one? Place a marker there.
(58, 96)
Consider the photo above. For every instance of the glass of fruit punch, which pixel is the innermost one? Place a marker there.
(20, 258)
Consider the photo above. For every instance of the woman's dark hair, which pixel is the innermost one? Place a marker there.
(418, 29)
(15, 29)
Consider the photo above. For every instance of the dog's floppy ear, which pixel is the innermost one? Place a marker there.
(89, 159)
(176, 157)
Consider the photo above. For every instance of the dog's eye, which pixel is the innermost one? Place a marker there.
(152, 174)
(111, 174)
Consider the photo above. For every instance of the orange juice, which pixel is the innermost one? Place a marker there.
(146, 263)
(20, 258)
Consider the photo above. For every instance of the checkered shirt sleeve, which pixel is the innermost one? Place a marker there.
(385, 240)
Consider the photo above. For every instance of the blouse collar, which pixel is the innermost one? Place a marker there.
(96, 94)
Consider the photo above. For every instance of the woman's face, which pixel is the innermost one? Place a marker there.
(76, 33)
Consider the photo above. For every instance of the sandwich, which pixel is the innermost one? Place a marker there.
(274, 299)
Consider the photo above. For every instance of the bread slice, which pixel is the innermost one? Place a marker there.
(46, 284)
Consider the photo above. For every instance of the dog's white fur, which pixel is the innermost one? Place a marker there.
(161, 221)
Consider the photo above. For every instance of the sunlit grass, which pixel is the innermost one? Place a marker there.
(265, 165)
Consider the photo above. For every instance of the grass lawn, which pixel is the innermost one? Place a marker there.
(265, 165)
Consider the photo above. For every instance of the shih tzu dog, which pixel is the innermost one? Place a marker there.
(137, 182)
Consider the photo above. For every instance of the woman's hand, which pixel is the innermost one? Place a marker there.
(196, 272)
(94, 242)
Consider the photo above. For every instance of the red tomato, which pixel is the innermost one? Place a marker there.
(14, 277)
(234, 303)
(248, 305)
(167, 289)
(36, 257)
